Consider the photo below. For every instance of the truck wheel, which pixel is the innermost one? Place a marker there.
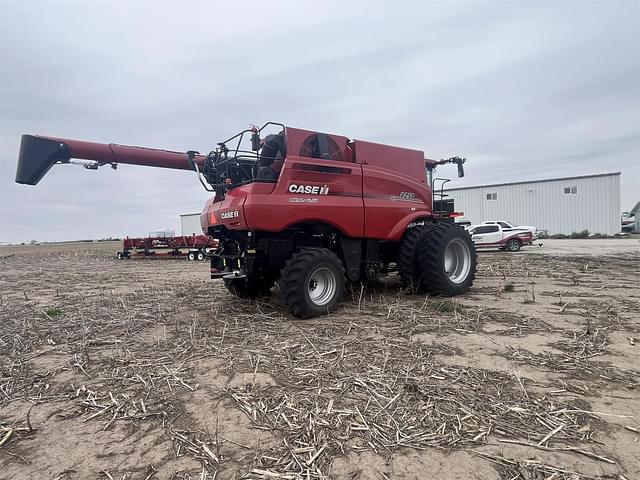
(312, 282)
(191, 257)
(447, 260)
(408, 255)
(513, 245)
(249, 287)
(200, 256)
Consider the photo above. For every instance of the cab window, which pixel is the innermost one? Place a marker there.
(485, 229)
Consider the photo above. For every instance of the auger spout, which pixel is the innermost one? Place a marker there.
(38, 154)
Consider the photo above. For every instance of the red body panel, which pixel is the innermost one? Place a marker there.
(375, 194)
(406, 162)
(273, 207)
(395, 188)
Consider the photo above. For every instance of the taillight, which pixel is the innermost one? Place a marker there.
(212, 218)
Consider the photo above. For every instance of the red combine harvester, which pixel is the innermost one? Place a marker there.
(306, 210)
(194, 247)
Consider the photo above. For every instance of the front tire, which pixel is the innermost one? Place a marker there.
(191, 257)
(312, 282)
(447, 260)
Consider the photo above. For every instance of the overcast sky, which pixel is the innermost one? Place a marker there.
(524, 90)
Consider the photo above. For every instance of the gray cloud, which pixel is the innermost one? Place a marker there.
(524, 90)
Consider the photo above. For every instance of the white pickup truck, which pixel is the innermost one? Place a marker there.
(512, 227)
(494, 235)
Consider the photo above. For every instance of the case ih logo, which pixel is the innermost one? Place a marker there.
(229, 214)
(309, 189)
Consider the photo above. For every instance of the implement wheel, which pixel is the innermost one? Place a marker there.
(446, 260)
(312, 282)
(408, 256)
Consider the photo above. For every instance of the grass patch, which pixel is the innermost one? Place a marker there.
(447, 307)
(508, 287)
(54, 312)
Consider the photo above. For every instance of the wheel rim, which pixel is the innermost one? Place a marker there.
(321, 286)
(513, 246)
(457, 261)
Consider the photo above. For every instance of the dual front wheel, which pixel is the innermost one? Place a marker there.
(437, 258)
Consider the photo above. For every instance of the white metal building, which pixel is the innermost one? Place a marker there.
(190, 224)
(558, 205)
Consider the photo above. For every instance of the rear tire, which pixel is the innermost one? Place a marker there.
(191, 257)
(446, 260)
(408, 256)
(200, 256)
(513, 245)
(312, 282)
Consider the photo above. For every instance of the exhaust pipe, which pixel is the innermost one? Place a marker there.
(38, 154)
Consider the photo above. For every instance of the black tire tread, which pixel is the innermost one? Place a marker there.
(293, 275)
(432, 278)
(408, 255)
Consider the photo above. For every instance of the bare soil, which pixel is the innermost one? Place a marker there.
(146, 369)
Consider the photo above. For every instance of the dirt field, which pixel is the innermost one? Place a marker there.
(146, 369)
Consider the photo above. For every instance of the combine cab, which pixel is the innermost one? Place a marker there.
(305, 210)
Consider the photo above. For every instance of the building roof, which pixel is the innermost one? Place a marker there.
(189, 214)
(610, 174)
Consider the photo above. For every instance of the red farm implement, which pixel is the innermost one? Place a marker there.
(193, 247)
